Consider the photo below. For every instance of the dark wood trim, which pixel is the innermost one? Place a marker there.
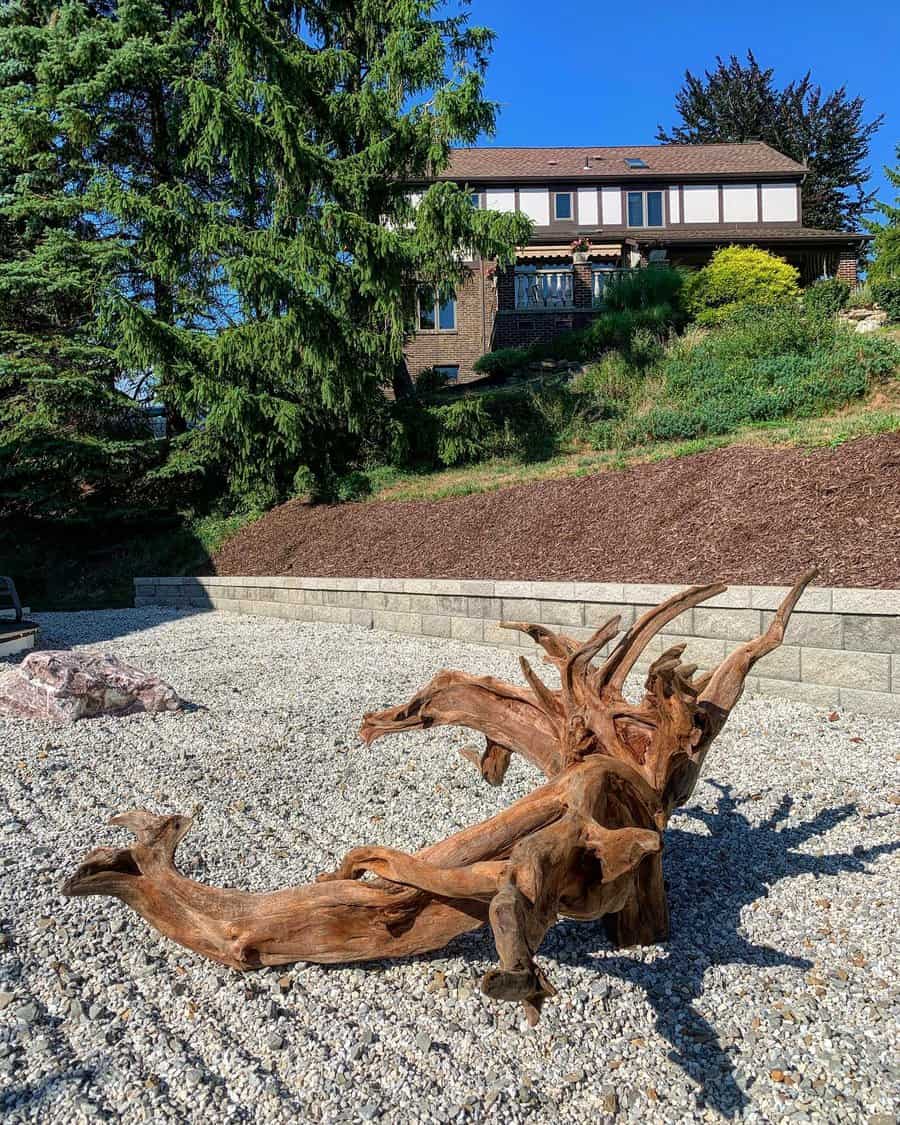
(721, 194)
(759, 217)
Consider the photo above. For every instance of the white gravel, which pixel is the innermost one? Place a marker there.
(775, 999)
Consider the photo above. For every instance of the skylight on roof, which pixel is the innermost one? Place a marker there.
(635, 162)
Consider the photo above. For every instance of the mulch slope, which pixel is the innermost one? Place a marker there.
(742, 515)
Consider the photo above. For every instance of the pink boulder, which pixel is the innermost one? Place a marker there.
(65, 686)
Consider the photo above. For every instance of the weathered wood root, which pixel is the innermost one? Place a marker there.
(586, 844)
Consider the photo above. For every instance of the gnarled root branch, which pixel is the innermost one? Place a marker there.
(586, 844)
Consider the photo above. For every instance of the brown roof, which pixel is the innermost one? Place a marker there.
(749, 232)
(591, 163)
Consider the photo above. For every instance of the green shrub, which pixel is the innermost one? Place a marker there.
(605, 390)
(430, 381)
(504, 361)
(643, 288)
(738, 276)
(826, 297)
(760, 366)
(887, 295)
(352, 486)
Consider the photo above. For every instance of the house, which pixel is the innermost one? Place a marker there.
(636, 206)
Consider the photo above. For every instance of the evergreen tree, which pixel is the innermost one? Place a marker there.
(72, 446)
(325, 114)
(739, 101)
(886, 244)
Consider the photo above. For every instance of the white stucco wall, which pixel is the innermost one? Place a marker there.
(588, 211)
(612, 206)
(739, 203)
(701, 203)
(779, 203)
(535, 203)
(674, 205)
(500, 199)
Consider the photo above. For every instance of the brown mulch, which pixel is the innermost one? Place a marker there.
(742, 515)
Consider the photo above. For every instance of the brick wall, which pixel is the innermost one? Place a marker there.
(847, 266)
(476, 302)
(842, 647)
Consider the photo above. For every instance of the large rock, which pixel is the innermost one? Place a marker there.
(65, 686)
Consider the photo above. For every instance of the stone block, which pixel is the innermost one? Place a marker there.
(596, 613)
(895, 673)
(373, 599)
(553, 591)
(348, 599)
(863, 671)
(140, 602)
(706, 652)
(599, 592)
(871, 702)
(816, 695)
(521, 609)
(417, 585)
(361, 617)
(435, 625)
(455, 605)
(728, 624)
(490, 609)
(503, 638)
(638, 593)
(815, 599)
(561, 613)
(466, 629)
(514, 589)
(782, 664)
(368, 584)
(863, 601)
(872, 634)
(331, 614)
(815, 630)
(313, 597)
(680, 626)
(395, 622)
(398, 603)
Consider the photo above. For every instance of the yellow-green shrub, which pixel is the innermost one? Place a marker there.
(739, 276)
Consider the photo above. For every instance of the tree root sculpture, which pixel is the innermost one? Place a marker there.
(585, 845)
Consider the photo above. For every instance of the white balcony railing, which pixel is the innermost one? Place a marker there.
(544, 289)
(601, 278)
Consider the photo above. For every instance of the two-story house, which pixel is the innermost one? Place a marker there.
(636, 206)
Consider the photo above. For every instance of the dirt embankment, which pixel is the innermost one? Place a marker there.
(742, 515)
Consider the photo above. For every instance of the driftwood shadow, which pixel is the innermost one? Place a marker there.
(711, 880)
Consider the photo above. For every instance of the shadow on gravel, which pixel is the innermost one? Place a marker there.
(711, 879)
(93, 627)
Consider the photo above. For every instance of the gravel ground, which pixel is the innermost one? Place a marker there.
(774, 1000)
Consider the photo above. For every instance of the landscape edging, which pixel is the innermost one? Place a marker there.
(842, 647)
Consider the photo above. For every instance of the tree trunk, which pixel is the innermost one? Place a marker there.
(587, 844)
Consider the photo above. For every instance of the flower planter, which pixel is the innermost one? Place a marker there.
(579, 257)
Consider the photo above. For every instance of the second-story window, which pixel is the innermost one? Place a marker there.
(562, 205)
(645, 208)
(475, 199)
(436, 315)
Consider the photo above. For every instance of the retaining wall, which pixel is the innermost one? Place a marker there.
(842, 647)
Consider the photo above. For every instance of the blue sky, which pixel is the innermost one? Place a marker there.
(569, 72)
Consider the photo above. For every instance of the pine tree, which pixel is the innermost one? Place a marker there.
(72, 446)
(886, 244)
(325, 114)
(739, 101)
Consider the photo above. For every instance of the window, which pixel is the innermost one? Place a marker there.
(450, 371)
(562, 205)
(645, 208)
(475, 200)
(435, 314)
(635, 162)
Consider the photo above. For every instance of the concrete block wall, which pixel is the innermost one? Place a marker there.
(842, 648)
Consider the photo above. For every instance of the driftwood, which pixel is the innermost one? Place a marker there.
(587, 844)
